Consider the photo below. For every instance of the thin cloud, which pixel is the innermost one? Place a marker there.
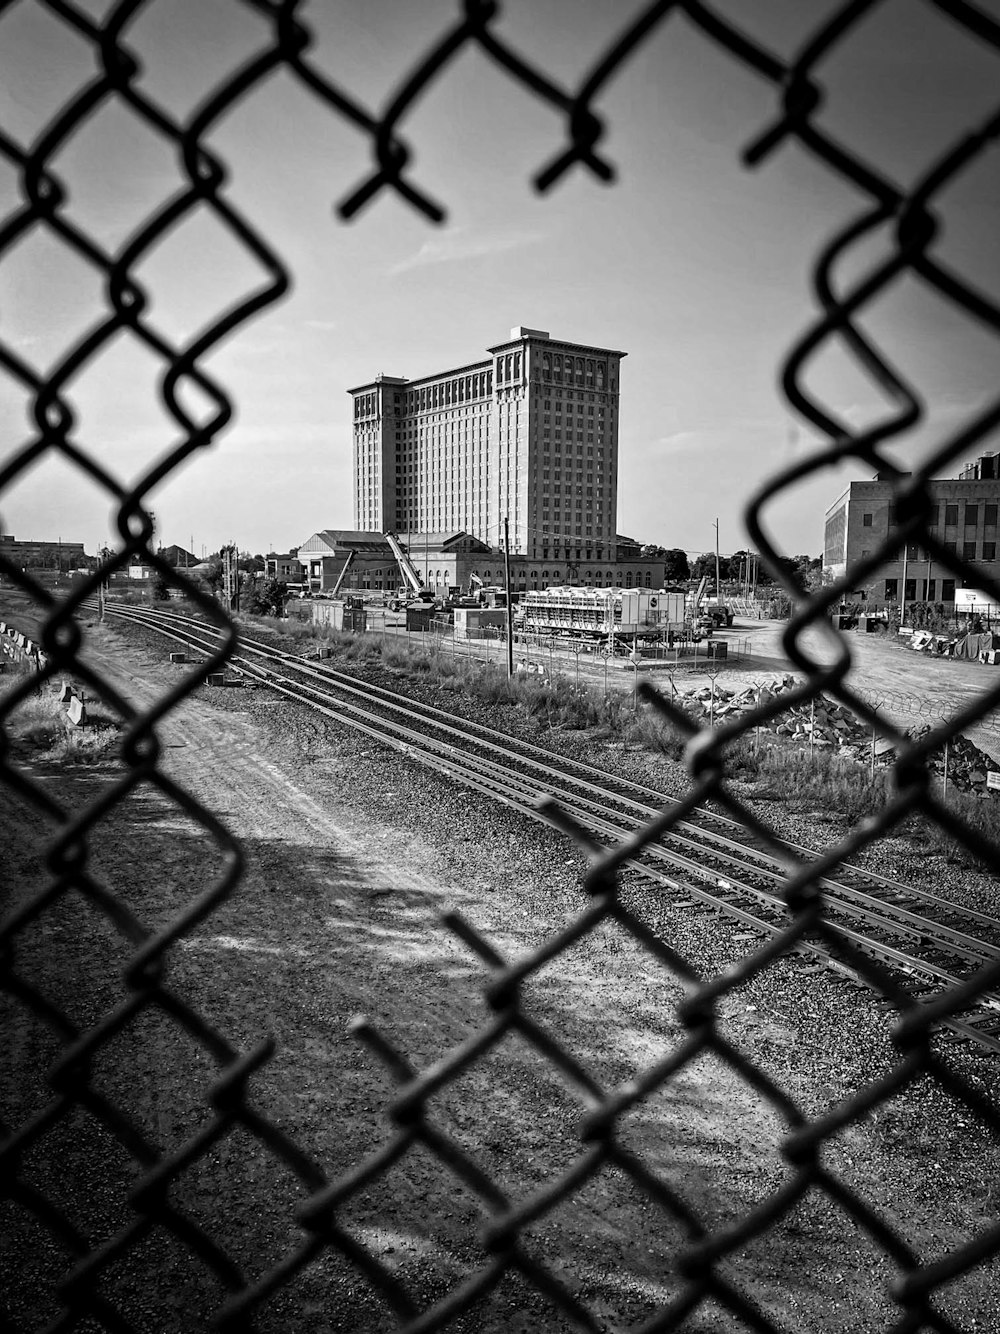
(679, 440)
(459, 243)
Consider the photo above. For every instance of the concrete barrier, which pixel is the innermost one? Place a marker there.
(77, 712)
(178, 657)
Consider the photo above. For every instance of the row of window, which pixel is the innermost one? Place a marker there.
(922, 590)
(982, 551)
(970, 518)
(564, 369)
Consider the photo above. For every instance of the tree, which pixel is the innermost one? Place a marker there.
(265, 597)
(211, 576)
(161, 588)
(806, 571)
(675, 563)
(704, 566)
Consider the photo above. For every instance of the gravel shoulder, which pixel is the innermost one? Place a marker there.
(352, 854)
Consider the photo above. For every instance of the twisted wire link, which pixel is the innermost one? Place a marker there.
(906, 218)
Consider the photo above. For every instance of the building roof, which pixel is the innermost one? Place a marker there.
(175, 555)
(415, 542)
(339, 539)
(557, 344)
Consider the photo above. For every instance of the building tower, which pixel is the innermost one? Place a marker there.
(530, 435)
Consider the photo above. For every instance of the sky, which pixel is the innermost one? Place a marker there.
(696, 266)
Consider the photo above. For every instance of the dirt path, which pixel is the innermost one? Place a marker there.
(351, 856)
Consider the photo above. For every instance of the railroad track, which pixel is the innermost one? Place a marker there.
(709, 860)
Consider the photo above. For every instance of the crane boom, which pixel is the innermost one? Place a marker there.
(406, 567)
(343, 573)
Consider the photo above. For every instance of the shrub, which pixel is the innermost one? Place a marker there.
(38, 725)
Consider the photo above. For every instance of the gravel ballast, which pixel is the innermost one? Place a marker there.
(353, 852)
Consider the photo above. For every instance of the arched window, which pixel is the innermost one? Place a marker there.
(546, 365)
(579, 370)
(628, 579)
(600, 374)
(557, 367)
(517, 365)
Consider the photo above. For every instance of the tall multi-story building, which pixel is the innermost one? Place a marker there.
(964, 514)
(529, 436)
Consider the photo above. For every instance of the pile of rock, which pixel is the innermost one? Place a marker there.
(827, 723)
(968, 766)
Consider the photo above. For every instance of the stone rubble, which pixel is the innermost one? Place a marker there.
(829, 724)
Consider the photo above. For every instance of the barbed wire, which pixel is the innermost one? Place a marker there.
(60, 432)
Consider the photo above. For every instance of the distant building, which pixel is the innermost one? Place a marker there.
(178, 558)
(56, 555)
(286, 567)
(963, 517)
(529, 435)
(440, 560)
(322, 559)
(449, 560)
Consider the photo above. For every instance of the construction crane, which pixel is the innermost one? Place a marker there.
(343, 573)
(406, 566)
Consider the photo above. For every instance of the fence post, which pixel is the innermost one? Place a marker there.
(944, 780)
(812, 726)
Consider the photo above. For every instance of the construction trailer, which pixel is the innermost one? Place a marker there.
(603, 614)
(341, 614)
(480, 623)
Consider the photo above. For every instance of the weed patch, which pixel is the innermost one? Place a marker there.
(38, 727)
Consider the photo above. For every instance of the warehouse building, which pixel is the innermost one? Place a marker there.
(449, 560)
(963, 517)
(56, 555)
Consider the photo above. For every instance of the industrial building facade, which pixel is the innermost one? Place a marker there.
(963, 516)
(29, 555)
(530, 435)
(361, 561)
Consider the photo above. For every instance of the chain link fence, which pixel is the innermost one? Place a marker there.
(156, 1224)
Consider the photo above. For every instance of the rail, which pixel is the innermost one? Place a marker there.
(871, 911)
(891, 244)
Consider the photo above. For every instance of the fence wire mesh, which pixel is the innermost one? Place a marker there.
(76, 1279)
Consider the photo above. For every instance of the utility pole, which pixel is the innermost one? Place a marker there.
(102, 555)
(902, 601)
(718, 587)
(510, 608)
